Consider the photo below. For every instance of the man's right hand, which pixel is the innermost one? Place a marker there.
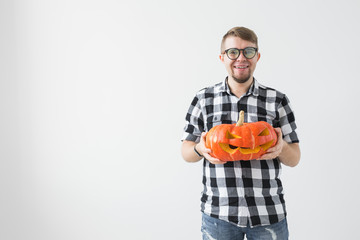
(201, 148)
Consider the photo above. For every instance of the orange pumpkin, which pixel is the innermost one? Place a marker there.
(241, 141)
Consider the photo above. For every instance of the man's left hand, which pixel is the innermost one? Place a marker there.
(275, 151)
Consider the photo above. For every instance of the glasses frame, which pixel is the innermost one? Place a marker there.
(240, 50)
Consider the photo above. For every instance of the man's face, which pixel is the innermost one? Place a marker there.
(241, 69)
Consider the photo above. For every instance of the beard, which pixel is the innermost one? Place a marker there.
(242, 79)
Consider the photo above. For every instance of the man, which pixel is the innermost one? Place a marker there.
(241, 198)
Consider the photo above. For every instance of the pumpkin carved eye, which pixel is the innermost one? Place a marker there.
(230, 135)
(232, 146)
(228, 148)
(265, 132)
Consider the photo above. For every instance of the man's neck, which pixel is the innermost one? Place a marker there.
(239, 89)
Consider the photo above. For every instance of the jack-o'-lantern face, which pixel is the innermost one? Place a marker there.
(230, 142)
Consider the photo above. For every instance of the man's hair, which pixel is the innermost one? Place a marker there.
(241, 32)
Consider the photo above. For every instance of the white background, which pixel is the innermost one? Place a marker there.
(93, 96)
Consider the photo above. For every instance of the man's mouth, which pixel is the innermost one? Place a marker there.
(241, 67)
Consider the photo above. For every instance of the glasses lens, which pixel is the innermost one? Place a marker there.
(249, 52)
(233, 53)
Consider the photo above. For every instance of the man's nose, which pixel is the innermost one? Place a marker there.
(241, 57)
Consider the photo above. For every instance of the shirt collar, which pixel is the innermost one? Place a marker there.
(254, 88)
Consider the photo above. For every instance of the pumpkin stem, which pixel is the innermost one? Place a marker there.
(241, 119)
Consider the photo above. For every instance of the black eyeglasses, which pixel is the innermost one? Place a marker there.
(234, 53)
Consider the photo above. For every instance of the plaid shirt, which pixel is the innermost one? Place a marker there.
(241, 192)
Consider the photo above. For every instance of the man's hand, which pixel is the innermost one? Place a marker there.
(201, 148)
(275, 151)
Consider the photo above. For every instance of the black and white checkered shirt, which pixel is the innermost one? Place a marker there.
(241, 192)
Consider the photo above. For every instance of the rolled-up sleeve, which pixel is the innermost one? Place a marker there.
(194, 125)
(287, 121)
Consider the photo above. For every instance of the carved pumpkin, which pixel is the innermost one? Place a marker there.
(241, 141)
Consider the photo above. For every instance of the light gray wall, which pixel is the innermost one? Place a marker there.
(93, 96)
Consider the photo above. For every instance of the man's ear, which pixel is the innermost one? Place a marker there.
(221, 57)
(258, 57)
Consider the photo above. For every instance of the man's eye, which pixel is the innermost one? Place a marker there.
(249, 50)
(233, 52)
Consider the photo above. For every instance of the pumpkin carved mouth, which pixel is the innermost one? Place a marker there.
(245, 150)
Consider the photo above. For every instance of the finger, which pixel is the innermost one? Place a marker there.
(206, 150)
(267, 156)
(203, 135)
(217, 162)
(273, 149)
(278, 131)
(213, 160)
(210, 158)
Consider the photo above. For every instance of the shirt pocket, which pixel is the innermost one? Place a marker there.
(217, 119)
(254, 117)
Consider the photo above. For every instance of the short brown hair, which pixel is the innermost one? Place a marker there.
(241, 32)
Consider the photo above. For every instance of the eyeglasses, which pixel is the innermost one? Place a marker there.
(234, 53)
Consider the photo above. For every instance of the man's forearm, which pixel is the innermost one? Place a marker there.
(188, 153)
(290, 155)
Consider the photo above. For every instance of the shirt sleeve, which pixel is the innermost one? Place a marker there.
(194, 125)
(287, 121)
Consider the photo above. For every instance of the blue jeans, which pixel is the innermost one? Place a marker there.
(216, 229)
